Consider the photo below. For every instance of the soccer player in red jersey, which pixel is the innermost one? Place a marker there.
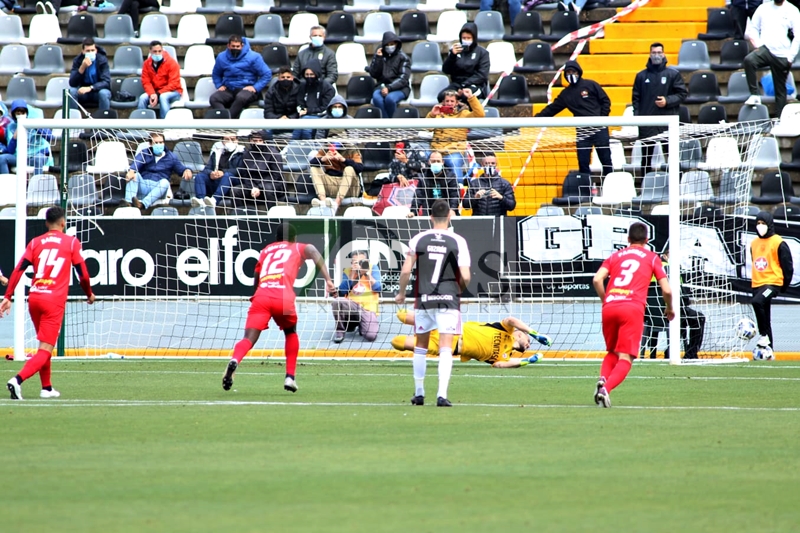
(274, 298)
(630, 271)
(48, 295)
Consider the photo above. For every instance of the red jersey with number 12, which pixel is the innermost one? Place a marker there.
(277, 270)
(630, 271)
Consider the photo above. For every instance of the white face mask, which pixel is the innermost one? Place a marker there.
(466, 44)
(762, 229)
(231, 146)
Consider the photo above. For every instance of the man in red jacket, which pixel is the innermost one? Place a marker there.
(161, 80)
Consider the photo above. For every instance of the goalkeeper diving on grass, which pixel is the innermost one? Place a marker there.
(490, 342)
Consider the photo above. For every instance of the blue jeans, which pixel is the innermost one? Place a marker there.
(165, 100)
(304, 134)
(387, 104)
(455, 162)
(152, 190)
(37, 161)
(514, 7)
(101, 98)
(205, 186)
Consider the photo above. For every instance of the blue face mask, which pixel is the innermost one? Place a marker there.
(158, 149)
(337, 112)
(389, 49)
(436, 167)
(316, 42)
(156, 57)
(91, 55)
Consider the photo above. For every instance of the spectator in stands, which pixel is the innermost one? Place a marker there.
(317, 50)
(489, 194)
(391, 69)
(280, 102)
(5, 121)
(7, 7)
(357, 304)
(334, 172)
(572, 5)
(402, 167)
(452, 143)
(90, 78)
(313, 97)
(584, 98)
(657, 90)
(150, 173)
(467, 64)
(774, 32)
(215, 181)
(161, 80)
(741, 10)
(39, 155)
(240, 75)
(134, 7)
(260, 178)
(337, 110)
(514, 7)
(436, 182)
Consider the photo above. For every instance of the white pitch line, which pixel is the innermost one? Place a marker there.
(209, 403)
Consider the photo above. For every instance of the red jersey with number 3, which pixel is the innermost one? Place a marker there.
(277, 270)
(630, 271)
(52, 256)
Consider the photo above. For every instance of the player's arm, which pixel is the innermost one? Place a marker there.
(83, 272)
(516, 323)
(310, 252)
(405, 276)
(666, 293)
(599, 281)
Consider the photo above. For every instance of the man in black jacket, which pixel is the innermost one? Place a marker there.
(391, 69)
(90, 78)
(657, 90)
(584, 98)
(281, 99)
(436, 182)
(467, 64)
(490, 194)
(260, 179)
(313, 98)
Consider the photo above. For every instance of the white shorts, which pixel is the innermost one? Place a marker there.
(444, 320)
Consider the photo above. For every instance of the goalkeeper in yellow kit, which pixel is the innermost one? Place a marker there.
(489, 342)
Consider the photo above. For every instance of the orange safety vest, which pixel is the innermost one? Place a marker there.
(766, 266)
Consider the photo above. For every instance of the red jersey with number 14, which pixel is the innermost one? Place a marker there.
(630, 271)
(277, 270)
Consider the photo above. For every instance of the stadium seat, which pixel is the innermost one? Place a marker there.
(406, 112)
(254, 7)
(74, 114)
(537, 57)
(655, 189)
(154, 27)
(8, 212)
(82, 191)
(202, 211)
(703, 87)
(733, 187)
(79, 27)
(414, 26)
(359, 90)
(357, 211)
(164, 211)
(43, 29)
(789, 123)
(203, 89)
(132, 86)
(282, 211)
(351, 58)
(695, 186)
(11, 31)
(562, 23)
(48, 59)
(692, 56)
(192, 29)
(618, 160)
(721, 153)
(626, 132)
(20, 88)
(527, 26)
(43, 190)
(289, 6)
(319, 211)
(127, 212)
(178, 115)
(54, 93)
(399, 5)
(364, 6)
(437, 5)
(127, 60)
(267, 29)
(368, 111)
(276, 56)
(501, 57)
(691, 154)
(14, 59)
(618, 188)
(395, 211)
(766, 99)
(476, 134)
(190, 153)
(77, 156)
(426, 57)
(767, 155)
(513, 90)
(776, 188)
(341, 28)
(300, 29)
(226, 26)
(296, 156)
(684, 116)
(585, 210)
(731, 56)
(217, 114)
(377, 156)
(109, 114)
(738, 91)
(198, 61)
(217, 6)
(754, 113)
(712, 114)
(448, 27)
(118, 29)
(429, 90)
(549, 211)
(326, 6)
(636, 163)
(375, 25)
(8, 189)
(718, 26)
(181, 7)
(490, 25)
(786, 212)
(576, 189)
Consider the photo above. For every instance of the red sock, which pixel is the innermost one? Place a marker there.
(44, 374)
(35, 364)
(292, 347)
(618, 375)
(609, 362)
(241, 349)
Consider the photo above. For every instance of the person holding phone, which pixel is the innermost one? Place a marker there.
(467, 64)
(90, 77)
(357, 304)
(391, 69)
(452, 143)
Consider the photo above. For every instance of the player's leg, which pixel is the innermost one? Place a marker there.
(257, 320)
(696, 323)
(47, 322)
(631, 324)
(406, 316)
(762, 298)
(420, 364)
(448, 322)
(287, 321)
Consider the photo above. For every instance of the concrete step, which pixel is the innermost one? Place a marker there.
(654, 30)
(669, 14)
(623, 46)
(593, 63)
(685, 3)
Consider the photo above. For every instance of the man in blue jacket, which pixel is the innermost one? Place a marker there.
(239, 75)
(150, 172)
(90, 78)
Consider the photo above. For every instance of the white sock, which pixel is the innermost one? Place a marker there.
(420, 363)
(445, 368)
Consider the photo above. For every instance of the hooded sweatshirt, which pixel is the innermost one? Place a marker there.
(236, 73)
(771, 256)
(38, 139)
(315, 95)
(652, 82)
(333, 131)
(471, 66)
(586, 98)
(392, 70)
(5, 120)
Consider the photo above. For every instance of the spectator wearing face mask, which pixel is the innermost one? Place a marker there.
(436, 182)
(336, 112)
(280, 102)
(161, 80)
(313, 97)
(317, 50)
(467, 64)
(489, 194)
(584, 98)
(39, 154)
(239, 75)
(90, 77)
(150, 173)
(261, 183)
(215, 181)
(391, 69)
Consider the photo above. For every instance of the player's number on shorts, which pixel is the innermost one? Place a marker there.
(437, 268)
(274, 261)
(49, 258)
(629, 267)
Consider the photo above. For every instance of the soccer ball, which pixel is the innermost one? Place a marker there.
(746, 329)
(763, 353)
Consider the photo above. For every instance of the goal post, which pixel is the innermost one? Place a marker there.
(521, 144)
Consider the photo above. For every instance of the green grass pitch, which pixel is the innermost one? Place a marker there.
(135, 446)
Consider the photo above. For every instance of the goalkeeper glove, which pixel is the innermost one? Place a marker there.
(530, 360)
(543, 339)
